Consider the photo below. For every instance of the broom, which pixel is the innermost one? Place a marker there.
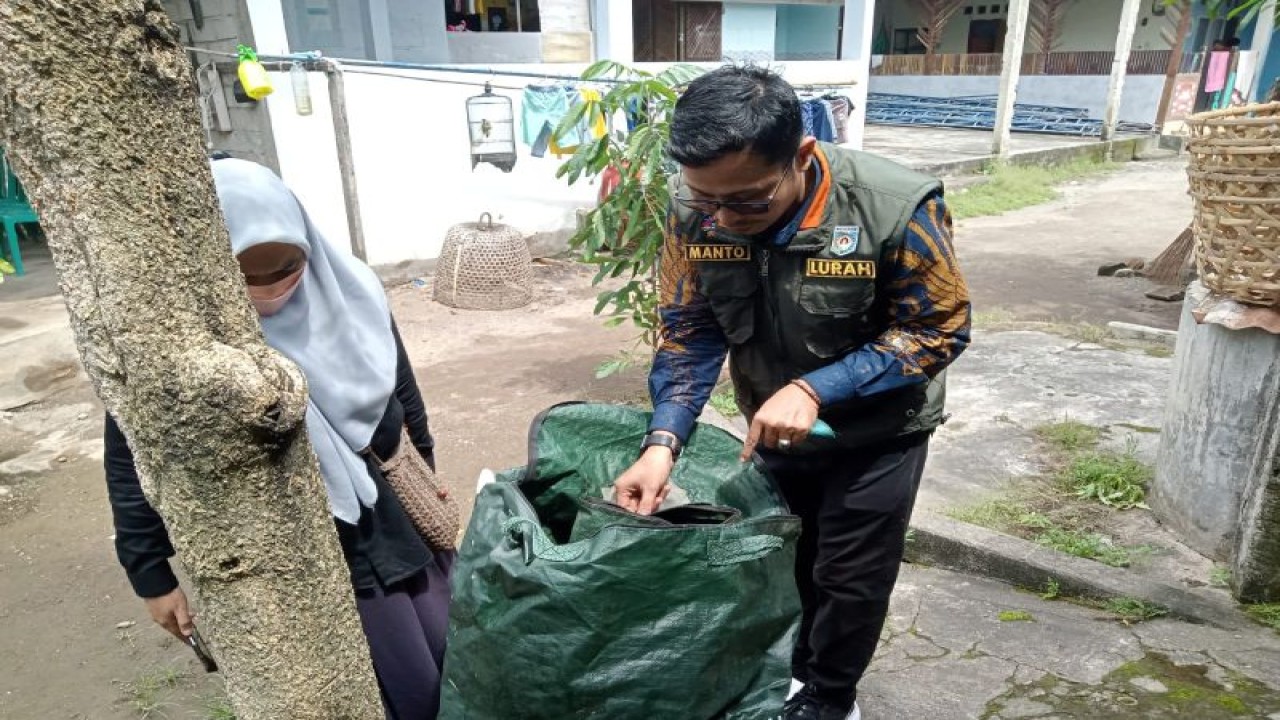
(1167, 267)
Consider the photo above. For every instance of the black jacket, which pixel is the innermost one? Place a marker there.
(381, 549)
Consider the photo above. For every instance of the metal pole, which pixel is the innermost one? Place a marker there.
(1014, 40)
(346, 164)
(1119, 68)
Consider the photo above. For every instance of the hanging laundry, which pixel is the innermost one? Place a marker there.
(841, 109)
(817, 119)
(596, 124)
(1216, 75)
(636, 114)
(540, 106)
(542, 109)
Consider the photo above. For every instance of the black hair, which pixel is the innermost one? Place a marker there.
(735, 108)
(219, 155)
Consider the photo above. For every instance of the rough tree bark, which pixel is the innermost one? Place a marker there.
(934, 15)
(98, 113)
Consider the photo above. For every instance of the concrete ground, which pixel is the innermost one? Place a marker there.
(77, 644)
(926, 146)
(962, 647)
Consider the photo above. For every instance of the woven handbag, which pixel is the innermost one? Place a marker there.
(424, 498)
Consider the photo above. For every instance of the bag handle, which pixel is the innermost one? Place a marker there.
(529, 536)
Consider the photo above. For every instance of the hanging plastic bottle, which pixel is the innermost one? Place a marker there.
(301, 89)
(254, 78)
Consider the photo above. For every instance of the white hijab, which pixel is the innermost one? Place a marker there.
(336, 327)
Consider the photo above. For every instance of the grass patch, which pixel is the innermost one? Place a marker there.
(1088, 545)
(996, 317)
(1016, 616)
(1069, 435)
(1052, 590)
(1087, 332)
(219, 708)
(1011, 187)
(1117, 480)
(1002, 514)
(1131, 610)
(146, 693)
(1220, 576)
(1064, 530)
(1266, 613)
(723, 401)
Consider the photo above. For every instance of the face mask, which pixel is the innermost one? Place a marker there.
(270, 299)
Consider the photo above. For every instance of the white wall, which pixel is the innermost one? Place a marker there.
(412, 158)
(1087, 25)
(483, 48)
(614, 34)
(748, 32)
(1139, 103)
(269, 32)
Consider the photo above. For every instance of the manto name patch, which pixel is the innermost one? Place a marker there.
(717, 253)
(854, 269)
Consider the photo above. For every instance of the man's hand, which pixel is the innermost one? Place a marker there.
(171, 613)
(783, 421)
(643, 487)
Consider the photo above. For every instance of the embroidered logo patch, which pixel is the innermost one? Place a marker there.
(708, 224)
(717, 253)
(854, 269)
(844, 240)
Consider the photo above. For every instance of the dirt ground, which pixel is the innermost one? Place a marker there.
(77, 644)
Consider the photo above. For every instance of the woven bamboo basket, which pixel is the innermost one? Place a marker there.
(1235, 181)
(484, 266)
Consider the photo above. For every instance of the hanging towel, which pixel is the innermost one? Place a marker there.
(1216, 75)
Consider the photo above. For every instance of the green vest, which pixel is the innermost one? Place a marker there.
(787, 311)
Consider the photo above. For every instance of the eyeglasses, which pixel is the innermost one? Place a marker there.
(754, 207)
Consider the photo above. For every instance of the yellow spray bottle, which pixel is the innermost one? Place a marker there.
(254, 78)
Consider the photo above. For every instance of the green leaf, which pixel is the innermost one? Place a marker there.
(6, 269)
(609, 367)
(570, 121)
(602, 300)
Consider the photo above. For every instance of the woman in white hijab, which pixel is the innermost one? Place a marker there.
(327, 312)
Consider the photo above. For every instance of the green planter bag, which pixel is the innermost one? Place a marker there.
(568, 608)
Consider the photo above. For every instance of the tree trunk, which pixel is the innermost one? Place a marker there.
(98, 112)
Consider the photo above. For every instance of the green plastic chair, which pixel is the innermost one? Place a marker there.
(15, 210)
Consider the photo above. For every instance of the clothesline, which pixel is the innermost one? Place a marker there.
(350, 64)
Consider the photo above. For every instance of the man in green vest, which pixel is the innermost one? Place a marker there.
(829, 278)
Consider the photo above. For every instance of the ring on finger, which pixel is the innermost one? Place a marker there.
(784, 444)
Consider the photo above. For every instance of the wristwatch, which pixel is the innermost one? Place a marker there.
(663, 439)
